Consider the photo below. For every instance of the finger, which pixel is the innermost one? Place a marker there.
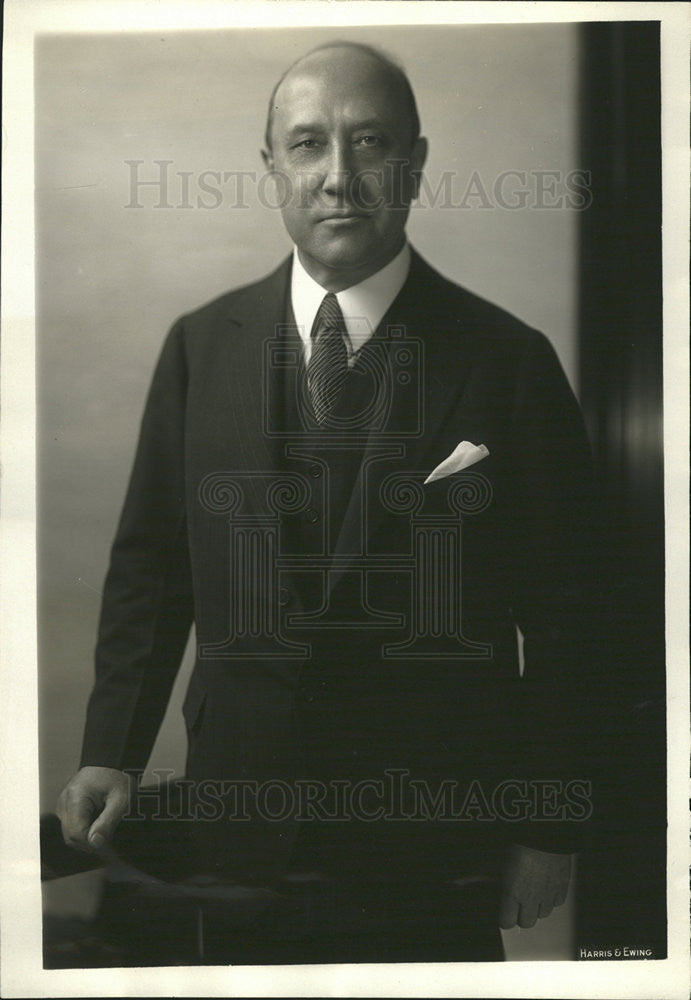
(508, 911)
(76, 814)
(544, 909)
(103, 828)
(560, 895)
(527, 916)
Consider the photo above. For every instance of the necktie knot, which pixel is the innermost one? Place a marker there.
(329, 316)
(328, 364)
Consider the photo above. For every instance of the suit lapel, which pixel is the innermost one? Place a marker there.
(423, 317)
(255, 387)
(258, 380)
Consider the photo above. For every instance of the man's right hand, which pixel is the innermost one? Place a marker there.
(91, 805)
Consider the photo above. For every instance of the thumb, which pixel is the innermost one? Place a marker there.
(508, 911)
(76, 819)
(103, 828)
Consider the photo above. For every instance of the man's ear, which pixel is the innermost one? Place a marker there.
(417, 162)
(268, 159)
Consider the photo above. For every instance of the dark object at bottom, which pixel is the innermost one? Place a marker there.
(311, 921)
(157, 911)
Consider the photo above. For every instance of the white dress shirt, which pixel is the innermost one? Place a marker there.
(363, 305)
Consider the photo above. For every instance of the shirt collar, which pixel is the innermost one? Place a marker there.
(363, 305)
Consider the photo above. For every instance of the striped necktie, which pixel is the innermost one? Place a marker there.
(328, 364)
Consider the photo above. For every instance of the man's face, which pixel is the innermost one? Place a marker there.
(345, 166)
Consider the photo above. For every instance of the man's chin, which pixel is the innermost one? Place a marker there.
(348, 251)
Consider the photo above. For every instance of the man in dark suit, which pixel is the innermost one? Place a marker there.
(356, 613)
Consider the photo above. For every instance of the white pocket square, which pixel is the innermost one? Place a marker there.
(463, 455)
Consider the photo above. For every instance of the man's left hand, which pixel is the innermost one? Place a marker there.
(533, 883)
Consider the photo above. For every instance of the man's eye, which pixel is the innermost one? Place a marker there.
(369, 140)
(306, 144)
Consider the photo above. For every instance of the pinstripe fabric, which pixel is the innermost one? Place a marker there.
(328, 364)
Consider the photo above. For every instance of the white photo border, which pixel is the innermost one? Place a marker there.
(20, 901)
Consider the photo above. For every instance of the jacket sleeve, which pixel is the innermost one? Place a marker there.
(147, 606)
(553, 526)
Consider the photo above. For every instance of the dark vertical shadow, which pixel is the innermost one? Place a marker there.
(623, 877)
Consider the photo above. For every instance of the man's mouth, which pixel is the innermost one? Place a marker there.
(343, 215)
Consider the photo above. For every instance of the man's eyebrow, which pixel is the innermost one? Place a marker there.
(308, 127)
(317, 127)
(370, 123)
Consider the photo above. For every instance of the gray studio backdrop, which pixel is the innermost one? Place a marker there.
(112, 277)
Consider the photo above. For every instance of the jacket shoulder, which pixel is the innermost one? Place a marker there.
(464, 325)
(239, 302)
(469, 313)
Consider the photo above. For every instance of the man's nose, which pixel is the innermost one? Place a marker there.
(338, 169)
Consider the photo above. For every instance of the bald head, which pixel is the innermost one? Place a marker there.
(345, 154)
(346, 61)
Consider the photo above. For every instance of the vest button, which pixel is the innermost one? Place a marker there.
(312, 515)
(315, 471)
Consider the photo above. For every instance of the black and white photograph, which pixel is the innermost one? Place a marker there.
(345, 389)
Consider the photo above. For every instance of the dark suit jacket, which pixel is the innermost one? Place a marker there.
(212, 426)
